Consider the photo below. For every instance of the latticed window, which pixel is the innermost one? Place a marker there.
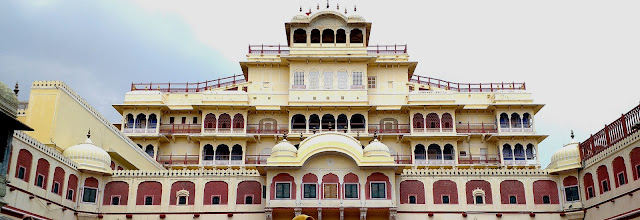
(328, 80)
(342, 80)
(210, 121)
(433, 121)
(330, 191)
(371, 82)
(314, 80)
(283, 190)
(89, 195)
(351, 191)
(298, 78)
(357, 78)
(378, 191)
(572, 193)
(309, 191)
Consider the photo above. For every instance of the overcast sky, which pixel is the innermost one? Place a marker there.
(580, 58)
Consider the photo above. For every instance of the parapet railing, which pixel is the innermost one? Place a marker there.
(44, 149)
(467, 87)
(187, 173)
(189, 87)
(475, 172)
(284, 49)
(610, 134)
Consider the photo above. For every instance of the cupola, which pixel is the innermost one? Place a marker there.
(89, 157)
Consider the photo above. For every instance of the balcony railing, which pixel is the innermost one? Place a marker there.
(267, 129)
(140, 128)
(256, 159)
(389, 128)
(479, 159)
(189, 87)
(467, 87)
(180, 128)
(402, 159)
(269, 49)
(476, 128)
(386, 49)
(284, 49)
(432, 130)
(517, 130)
(169, 160)
(223, 130)
(435, 159)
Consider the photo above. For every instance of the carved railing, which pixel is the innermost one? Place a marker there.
(189, 87)
(611, 134)
(467, 87)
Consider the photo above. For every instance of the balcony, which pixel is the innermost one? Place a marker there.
(389, 128)
(224, 130)
(189, 87)
(208, 160)
(476, 128)
(432, 130)
(425, 159)
(256, 159)
(520, 160)
(180, 128)
(479, 159)
(402, 159)
(138, 128)
(517, 130)
(173, 160)
(284, 49)
(267, 129)
(466, 87)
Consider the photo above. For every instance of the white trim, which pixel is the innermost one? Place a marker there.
(565, 194)
(602, 186)
(442, 198)
(371, 190)
(73, 193)
(344, 190)
(514, 196)
(549, 196)
(593, 191)
(53, 186)
(44, 180)
(316, 198)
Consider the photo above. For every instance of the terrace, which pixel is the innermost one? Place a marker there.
(466, 87)
(611, 134)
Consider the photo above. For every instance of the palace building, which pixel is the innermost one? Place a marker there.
(327, 125)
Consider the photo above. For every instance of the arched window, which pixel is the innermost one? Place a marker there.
(433, 122)
(24, 165)
(356, 36)
(327, 36)
(389, 125)
(434, 152)
(526, 120)
(141, 121)
(314, 122)
(224, 122)
(420, 153)
(299, 36)
(298, 121)
(315, 36)
(153, 121)
(447, 122)
(210, 121)
(603, 179)
(222, 152)
(357, 121)
(236, 152)
(418, 121)
(507, 153)
(341, 36)
(207, 152)
(328, 122)
(342, 122)
(518, 152)
(531, 152)
(149, 150)
(448, 152)
(516, 121)
(238, 122)
(504, 120)
(130, 122)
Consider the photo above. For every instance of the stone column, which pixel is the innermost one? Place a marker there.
(297, 211)
(319, 213)
(341, 213)
(363, 213)
(268, 213)
(393, 212)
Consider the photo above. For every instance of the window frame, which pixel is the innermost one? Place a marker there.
(145, 199)
(298, 77)
(219, 199)
(577, 190)
(24, 173)
(637, 171)
(95, 198)
(38, 183)
(448, 198)
(342, 83)
(354, 80)
(373, 85)
(276, 190)
(115, 196)
(70, 194)
(515, 199)
(605, 186)
(621, 181)
(325, 76)
(344, 189)
(245, 199)
(475, 200)
(415, 199)
(548, 201)
(371, 189)
(55, 188)
(591, 192)
(304, 191)
(186, 200)
(337, 191)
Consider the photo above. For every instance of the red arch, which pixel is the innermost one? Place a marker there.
(588, 183)
(411, 187)
(283, 177)
(433, 121)
(42, 169)
(481, 184)
(216, 188)
(91, 182)
(72, 184)
(549, 188)
(377, 177)
(310, 178)
(512, 188)
(635, 162)
(249, 187)
(418, 120)
(351, 178)
(603, 174)
(570, 181)
(149, 188)
(619, 168)
(58, 176)
(182, 185)
(24, 160)
(116, 188)
(445, 187)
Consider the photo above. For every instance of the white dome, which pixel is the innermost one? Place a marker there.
(284, 149)
(376, 148)
(567, 158)
(89, 157)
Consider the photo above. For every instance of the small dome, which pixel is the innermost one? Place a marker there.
(8, 100)
(567, 158)
(355, 18)
(300, 18)
(284, 149)
(376, 148)
(89, 157)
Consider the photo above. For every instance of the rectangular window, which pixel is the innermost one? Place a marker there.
(248, 200)
(264, 191)
(40, 181)
(479, 200)
(115, 200)
(70, 194)
(89, 195)
(571, 193)
(314, 80)
(215, 200)
(357, 78)
(412, 199)
(513, 200)
(148, 200)
(590, 191)
(182, 200)
(546, 200)
(445, 199)
(283, 190)
(351, 191)
(328, 80)
(605, 186)
(298, 78)
(21, 172)
(184, 120)
(195, 120)
(638, 170)
(309, 191)
(371, 82)
(621, 178)
(378, 191)
(172, 120)
(330, 191)
(342, 80)
(56, 187)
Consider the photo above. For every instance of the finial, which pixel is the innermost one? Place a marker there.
(338, 6)
(16, 90)
(300, 8)
(89, 133)
(375, 134)
(345, 10)
(327, 3)
(355, 8)
(284, 136)
(301, 137)
(572, 136)
(318, 6)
